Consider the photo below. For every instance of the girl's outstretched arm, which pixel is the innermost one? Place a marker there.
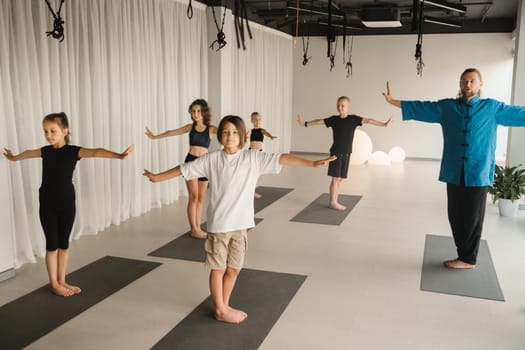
(104, 153)
(30, 153)
(266, 133)
(290, 159)
(377, 122)
(182, 130)
(166, 175)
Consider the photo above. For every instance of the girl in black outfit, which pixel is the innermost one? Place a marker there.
(200, 132)
(57, 194)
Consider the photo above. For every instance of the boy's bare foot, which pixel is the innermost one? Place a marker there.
(61, 291)
(231, 315)
(257, 195)
(337, 206)
(458, 264)
(198, 234)
(235, 310)
(75, 289)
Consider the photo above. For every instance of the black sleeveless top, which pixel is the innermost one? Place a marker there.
(256, 135)
(58, 165)
(201, 139)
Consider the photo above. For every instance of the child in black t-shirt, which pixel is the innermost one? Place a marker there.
(343, 129)
(57, 194)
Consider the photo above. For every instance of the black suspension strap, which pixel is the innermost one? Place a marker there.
(332, 54)
(189, 10)
(348, 64)
(221, 37)
(58, 23)
(306, 58)
(241, 17)
(419, 45)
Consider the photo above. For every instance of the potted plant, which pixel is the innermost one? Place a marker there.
(508, 186)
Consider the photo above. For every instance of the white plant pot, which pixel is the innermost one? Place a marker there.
(507, 207)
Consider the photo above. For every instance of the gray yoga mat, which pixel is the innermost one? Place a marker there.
(35, 314)
(263, 295)
(185, 247)
(318, 211)
(480, 282)
(269, 196)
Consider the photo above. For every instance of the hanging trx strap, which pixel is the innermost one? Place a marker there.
(332, 55)
(221, 37)
(241, 16)
(58, 23)
(419, 45)
(306, 58)
(348, 65)
(189, 11)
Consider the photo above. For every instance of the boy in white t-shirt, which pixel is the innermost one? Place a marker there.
(232, 174)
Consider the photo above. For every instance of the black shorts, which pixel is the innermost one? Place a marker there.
(191, 158)
(339, 167)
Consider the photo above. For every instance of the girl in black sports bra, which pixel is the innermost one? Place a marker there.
(200, 132)
(57, 194)
(256, 136)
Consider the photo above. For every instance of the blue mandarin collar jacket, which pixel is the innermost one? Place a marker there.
(469, 134)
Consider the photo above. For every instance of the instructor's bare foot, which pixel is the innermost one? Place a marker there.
(61, 291)
(231, 315)
(337, 206)
(257, 195)
(74, 289)
(458, 264)
(198, 234)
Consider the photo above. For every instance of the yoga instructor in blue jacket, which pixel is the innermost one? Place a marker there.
(469, 126)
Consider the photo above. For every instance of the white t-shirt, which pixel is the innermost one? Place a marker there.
(232, 180)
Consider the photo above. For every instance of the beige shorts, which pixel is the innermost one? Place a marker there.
(226, 249)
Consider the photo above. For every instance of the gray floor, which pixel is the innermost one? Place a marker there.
(363, 285)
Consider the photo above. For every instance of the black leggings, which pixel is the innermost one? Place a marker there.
(57, 222)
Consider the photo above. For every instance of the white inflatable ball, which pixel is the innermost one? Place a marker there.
(397, 155)
(361, 148)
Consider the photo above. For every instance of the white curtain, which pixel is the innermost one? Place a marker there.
(261, 80)
(124, 65)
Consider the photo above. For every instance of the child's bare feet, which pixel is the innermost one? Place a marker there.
(337, 206)
(458, 264)
(61, 291)
(257, 195)
(198, 234)
(231, 315)
(75, 289)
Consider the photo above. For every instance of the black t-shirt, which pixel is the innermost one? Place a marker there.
(58, 165)
(343, 130)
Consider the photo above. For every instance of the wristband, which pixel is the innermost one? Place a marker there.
(305, 124)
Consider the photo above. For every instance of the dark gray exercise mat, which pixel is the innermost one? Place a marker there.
(480, 282)
(35, 314)
(269, 195)
(263, 295)
(318, 211)
(185, 247)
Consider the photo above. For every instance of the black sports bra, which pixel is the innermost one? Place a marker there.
(201, 139)
(256, 135)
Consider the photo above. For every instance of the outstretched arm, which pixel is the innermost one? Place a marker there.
(33, 153)
(185, 129)
(290, 159)
(266, 133)
(104, 153)
(304, 123)
(377, 122)
(166, 175)
(389, 98)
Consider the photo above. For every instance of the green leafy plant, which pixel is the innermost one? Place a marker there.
(509, 183)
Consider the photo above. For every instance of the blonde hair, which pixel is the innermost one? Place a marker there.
(343, 98)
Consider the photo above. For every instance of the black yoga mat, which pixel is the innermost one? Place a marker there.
(185, 247)
(480, 282)
(318, 211)
(269, 196)
(35, 314)
(263, 295)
